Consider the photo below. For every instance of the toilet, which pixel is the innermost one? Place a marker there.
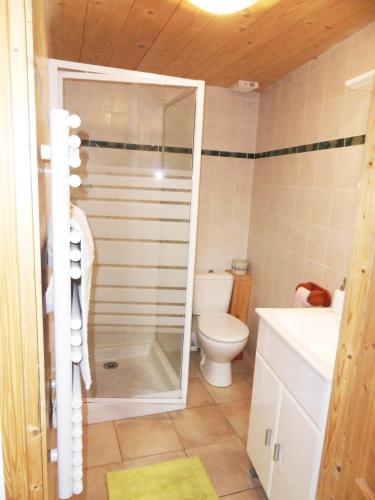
(221, 336)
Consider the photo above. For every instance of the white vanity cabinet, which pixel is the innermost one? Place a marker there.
(288, 415)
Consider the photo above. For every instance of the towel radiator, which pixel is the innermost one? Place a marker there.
(63, 153)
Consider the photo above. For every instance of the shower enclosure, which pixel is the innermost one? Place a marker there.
(141, 145)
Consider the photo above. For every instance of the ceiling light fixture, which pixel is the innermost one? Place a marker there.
(222, 6)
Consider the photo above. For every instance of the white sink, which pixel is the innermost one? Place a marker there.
(312, 332)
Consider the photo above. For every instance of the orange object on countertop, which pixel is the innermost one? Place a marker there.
(319, 297)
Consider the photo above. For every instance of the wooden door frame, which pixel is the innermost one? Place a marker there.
(345, 439)
(21, 322)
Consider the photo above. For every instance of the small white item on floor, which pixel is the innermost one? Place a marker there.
(239, 266)
(301, 296)
(194, 341)
(79, 224)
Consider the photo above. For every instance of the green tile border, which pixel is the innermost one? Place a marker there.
(303, 148)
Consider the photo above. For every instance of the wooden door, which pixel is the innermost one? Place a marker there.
(22, 402)
(348, 465)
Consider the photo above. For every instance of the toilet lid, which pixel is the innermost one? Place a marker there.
(222, 327)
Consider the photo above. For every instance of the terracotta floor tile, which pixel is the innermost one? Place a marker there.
(241, 366)
(144, 436)
(198, 395)
(253, 494)
(94, 482)
(153, 459)
(227, 465)
(100, 445)
(240, 389)
(198, 426)
(237, 412)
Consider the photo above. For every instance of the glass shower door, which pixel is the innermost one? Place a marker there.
(178, 133)
(139, 195)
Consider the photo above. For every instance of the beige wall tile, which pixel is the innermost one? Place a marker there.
(333, 112)
(355, 112)
(344, 209)
(317, 243)
(312, 125)
(322, 206)
(339, 245)
(325, 169)
(337, 74)
(313, 241)
(315, 87)
(347, 167)
(300, 235)
(224, 212)
(304, 204)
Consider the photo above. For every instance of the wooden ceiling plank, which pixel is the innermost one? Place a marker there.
(217, 33)
(274, 22)
(145, 21)
(184, 25)
(302, 42)
(173, 37)
(302, 54)
(66, 26)
(312, 48)
(104, 23)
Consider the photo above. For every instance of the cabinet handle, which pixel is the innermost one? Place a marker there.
(267, 440)
(276, 452)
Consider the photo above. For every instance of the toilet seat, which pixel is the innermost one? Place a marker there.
(222, 327)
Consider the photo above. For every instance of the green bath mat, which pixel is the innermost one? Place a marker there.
(181, 479)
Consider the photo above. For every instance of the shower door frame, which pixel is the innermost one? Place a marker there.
(101, 409)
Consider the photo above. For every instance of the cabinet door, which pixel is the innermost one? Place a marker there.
(263, 417)
(296, 468)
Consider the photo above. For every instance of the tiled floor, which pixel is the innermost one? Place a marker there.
(214, 427)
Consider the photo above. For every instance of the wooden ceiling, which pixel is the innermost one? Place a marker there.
(172, 37)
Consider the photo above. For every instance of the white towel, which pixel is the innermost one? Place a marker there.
(79, 222)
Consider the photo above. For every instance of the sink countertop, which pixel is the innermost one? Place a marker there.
(312, 332)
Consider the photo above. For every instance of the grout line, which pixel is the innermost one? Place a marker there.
(118, 438)
(242, 491)
(175, 429)
(230, 424)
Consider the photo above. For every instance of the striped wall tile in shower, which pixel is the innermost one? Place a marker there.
(140, 224)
